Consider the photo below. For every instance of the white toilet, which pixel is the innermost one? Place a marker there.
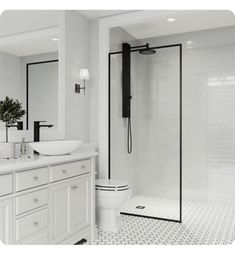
(110, 196)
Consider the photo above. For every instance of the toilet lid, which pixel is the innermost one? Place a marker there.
(111, 184)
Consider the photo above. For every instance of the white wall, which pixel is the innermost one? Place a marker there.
(77, 49)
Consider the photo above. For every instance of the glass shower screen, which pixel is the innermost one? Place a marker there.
(153, 168)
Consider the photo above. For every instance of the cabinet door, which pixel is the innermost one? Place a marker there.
(80, 208)
(59, 212)
(6, 220)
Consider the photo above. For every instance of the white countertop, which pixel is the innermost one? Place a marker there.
(13, 165)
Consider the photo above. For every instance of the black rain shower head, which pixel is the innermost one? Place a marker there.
(147, 51)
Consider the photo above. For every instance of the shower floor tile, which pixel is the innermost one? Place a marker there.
(153, 207)
(203, 224)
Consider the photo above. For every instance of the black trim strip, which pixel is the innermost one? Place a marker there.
(112, 189)
(109, 117)
(150, 217)
(81, 242)
(180, 134)
(150, 48)
(103, 186)
(180, 126)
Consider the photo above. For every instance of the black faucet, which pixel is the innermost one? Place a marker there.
(37, 127)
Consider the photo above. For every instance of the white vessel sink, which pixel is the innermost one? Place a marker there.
(54, 148)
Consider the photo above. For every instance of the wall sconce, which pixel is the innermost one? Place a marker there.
(84, 75)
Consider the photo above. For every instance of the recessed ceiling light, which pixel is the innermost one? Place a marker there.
(171, 19)
(55, 39)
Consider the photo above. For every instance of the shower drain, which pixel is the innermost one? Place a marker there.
(140, 207)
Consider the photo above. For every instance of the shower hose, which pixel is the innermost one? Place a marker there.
(129, 136)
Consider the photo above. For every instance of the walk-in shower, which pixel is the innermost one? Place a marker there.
(145, 108)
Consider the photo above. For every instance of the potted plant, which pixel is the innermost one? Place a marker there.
(10, 112)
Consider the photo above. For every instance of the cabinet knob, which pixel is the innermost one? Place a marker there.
(83, 166)
(35, 200)
(35, 178)
(64, 171)
(35, 223)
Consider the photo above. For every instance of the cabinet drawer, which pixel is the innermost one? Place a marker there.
(31, 201)
(31, 224)
(63, 171)
(39, 239)
(31, 178)
(6, 184)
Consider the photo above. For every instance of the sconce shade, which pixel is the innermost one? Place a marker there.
(84, 74)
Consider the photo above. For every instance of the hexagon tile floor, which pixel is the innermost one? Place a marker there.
(203, 224)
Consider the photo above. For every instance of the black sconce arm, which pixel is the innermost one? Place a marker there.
(78, 88)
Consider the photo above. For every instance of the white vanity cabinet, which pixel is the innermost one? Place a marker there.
(59, 212)
(6, 220)
(6, 208)
(70, 210)
(51, 204)
(80, 203)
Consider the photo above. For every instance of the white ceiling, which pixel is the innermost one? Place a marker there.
(16, 22)
(32, 46)
(21, 21)
(186, 21)
(96, 14)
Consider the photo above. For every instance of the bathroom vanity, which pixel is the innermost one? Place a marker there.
(49, 200)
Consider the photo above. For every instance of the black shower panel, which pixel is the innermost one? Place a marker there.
(126, 80)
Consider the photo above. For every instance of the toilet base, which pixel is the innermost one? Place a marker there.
(108, 220)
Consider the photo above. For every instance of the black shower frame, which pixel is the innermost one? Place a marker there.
(27, 84)
(180, 126)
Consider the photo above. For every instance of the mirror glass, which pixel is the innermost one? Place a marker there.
(29, 73)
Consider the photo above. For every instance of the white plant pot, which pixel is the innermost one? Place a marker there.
(7, 150)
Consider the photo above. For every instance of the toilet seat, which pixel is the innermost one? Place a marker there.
(111, 185)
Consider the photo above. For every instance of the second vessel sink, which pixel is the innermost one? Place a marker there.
(54, 148)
